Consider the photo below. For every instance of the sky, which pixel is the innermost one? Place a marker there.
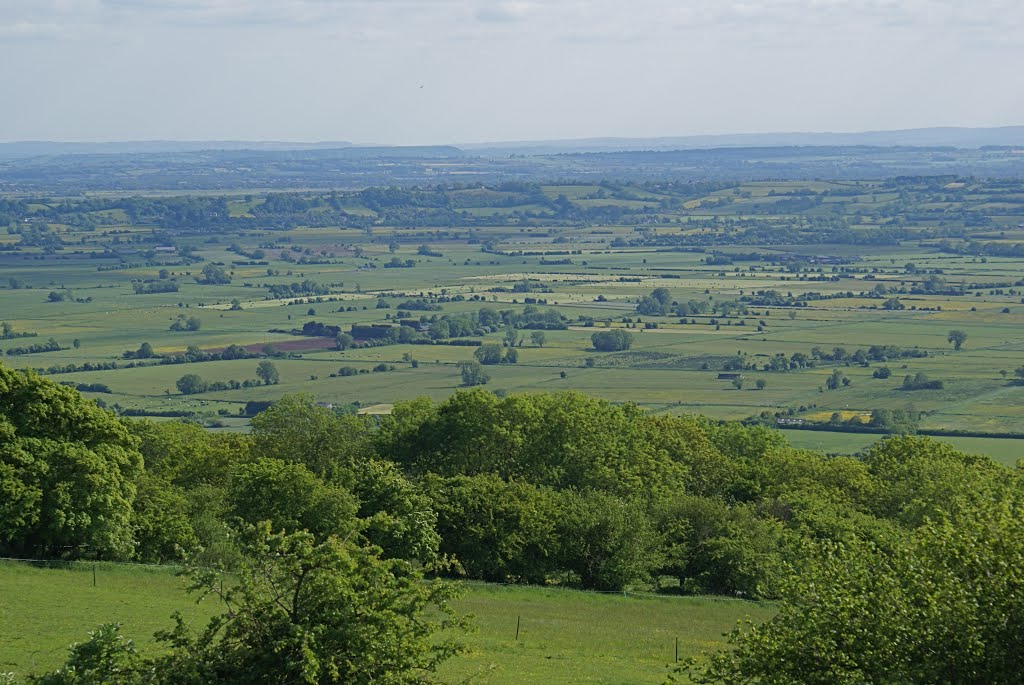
(450, 71)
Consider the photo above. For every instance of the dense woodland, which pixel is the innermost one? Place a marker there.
(544, 488)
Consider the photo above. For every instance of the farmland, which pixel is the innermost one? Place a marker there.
(769, 269)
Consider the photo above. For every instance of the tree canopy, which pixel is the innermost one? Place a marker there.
(67, 472)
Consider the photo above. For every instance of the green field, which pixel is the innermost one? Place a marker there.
(565, 636)
(1006, 451)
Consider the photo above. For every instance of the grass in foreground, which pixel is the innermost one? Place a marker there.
(564, 636)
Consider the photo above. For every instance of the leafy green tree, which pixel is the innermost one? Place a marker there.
(658, 303)
(67, 472)
(943, 607)
(836, 380)
(918, 478)
(215, 275)
(473, 373)
(498, 531)
(299, 611)
(395, 514)
(510, 337)
(162, 521)
(958, 338)
(606, 543)
(898, 421)
(187, 455)
(562, 440)
(296, 429)
(182, 323)
(191, 384)
(611, 341)
(343, 341)
(106, 657)
(491, 353)
(332, 612)
(267, 373)
(537, 338)
(291, 498)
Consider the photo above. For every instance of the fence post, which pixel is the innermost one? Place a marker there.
(94, 574)
(518, 618)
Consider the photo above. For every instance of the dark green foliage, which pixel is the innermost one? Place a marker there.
(562, 440)
(291, 497)
(191, 384)
(502, 531)
(721, 549)
(162, 521)
(558, 488)
(958, 338)
(51, 345)
(490, 353)
(215, 275)
(606, 543)
(612, 341)
(183, 323)
(394, 514)
(106, 657)
(267, 372)
(895, 420)
(837, 380)
(920, 381)
(473, 373)
(943, 606)
(296, 429)
(658, 303)
(67, 472)
(154, 287)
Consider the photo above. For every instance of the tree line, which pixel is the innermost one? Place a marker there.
(550, 488)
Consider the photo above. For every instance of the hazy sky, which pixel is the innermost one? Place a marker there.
(502, 69)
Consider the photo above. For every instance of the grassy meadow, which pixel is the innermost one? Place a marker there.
(565, 636)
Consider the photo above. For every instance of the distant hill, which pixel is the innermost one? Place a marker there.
(964, 138)
(36, 148)
(916, 137)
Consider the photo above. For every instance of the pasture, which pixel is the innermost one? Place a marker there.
(564, 636)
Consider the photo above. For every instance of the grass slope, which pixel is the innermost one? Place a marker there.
(565, 636)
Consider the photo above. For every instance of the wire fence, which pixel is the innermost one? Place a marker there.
(95, 566)
(70, 563)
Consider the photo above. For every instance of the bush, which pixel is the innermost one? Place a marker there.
(612, 341)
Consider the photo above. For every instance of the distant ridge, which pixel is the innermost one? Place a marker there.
(959, 137)
(37, 148)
